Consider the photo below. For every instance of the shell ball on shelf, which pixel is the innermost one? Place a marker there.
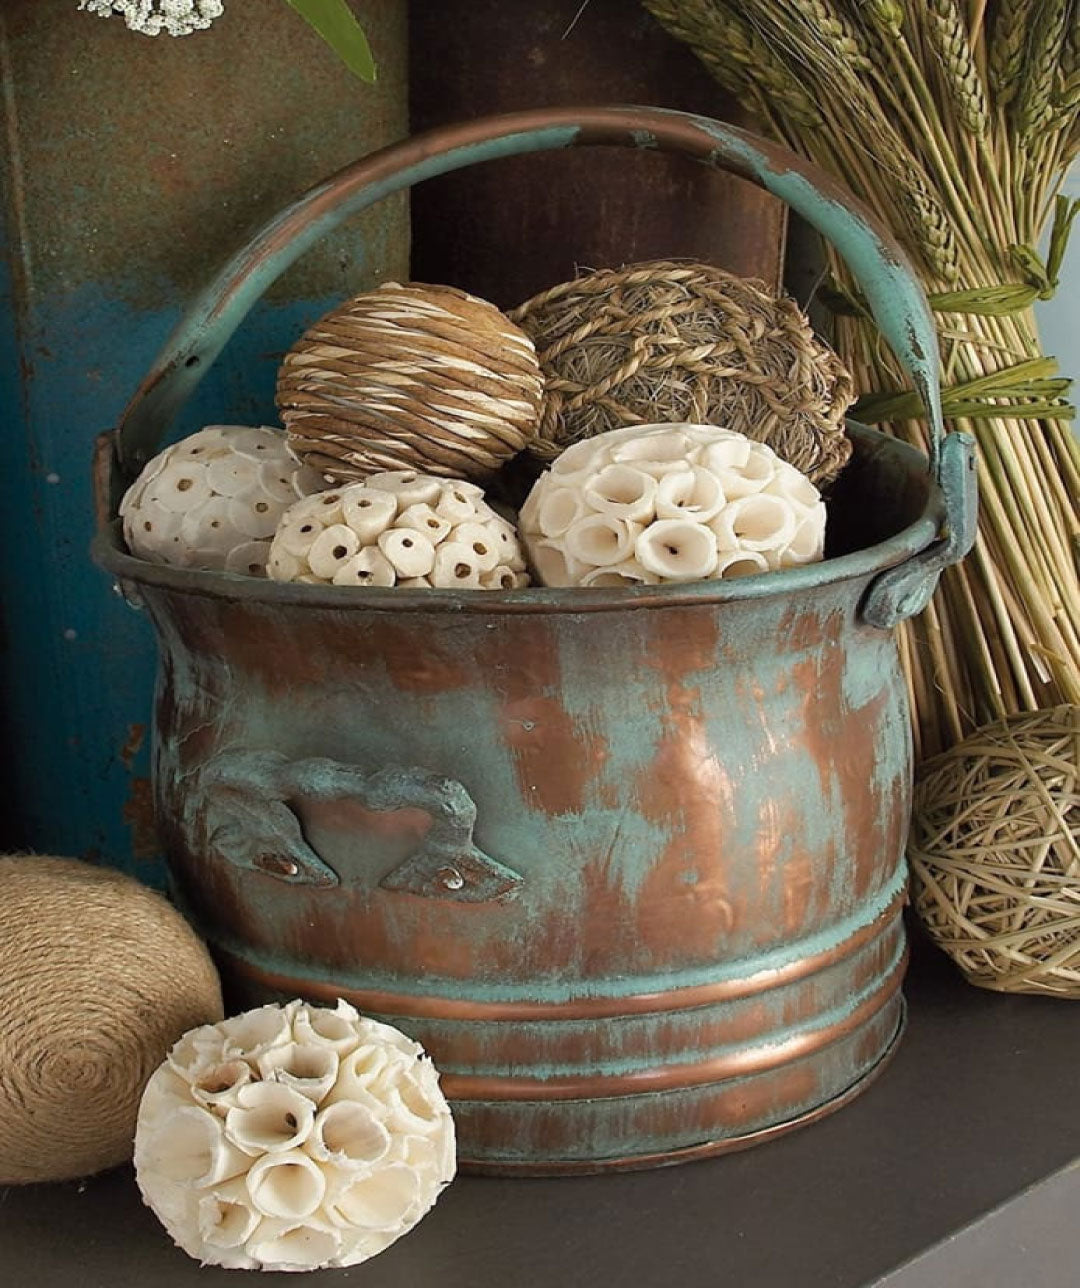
(669, 503)
(293, 1137)
(399, 528)
(662, 341)
(213, 500)
(100, 977)
(410, 377)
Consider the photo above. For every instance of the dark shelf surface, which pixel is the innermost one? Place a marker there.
(977, 1106)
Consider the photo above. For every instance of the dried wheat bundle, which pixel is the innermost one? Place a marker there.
(956, 123)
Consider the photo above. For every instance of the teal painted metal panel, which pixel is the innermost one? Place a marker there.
(130, 165)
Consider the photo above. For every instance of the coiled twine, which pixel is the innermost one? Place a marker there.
(98, 977)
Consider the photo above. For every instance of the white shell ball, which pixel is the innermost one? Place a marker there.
(292, 1138)
(399, 528)
(213, 500)
(669, 503)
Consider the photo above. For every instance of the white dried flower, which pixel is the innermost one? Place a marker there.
(151, 17)
(293, 1137)
(213, 500)
(669, 503)
(399, 528)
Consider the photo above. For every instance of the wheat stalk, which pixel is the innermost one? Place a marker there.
(949, 40)
(1039, 69)
(1008, 40)
(956, 125)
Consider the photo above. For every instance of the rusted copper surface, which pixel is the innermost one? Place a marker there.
(435, 1007)
(690, 1153)
(632, 794)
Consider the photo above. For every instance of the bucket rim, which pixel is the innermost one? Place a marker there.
(109, 552)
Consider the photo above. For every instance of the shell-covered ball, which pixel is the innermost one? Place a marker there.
(213, 500)
(662, 341)
(669, 503)
(293, 1137)
(410, 376)
(399, 528)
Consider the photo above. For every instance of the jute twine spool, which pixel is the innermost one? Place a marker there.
(657, 342)
(995, 853)
(410, 377)
(98, 977)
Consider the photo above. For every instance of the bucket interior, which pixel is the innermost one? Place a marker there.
(883, 489)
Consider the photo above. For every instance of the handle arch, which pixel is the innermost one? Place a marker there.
(880, 267)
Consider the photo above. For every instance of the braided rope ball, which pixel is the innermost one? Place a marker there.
(665, 342)
(995, 853)
(416, 377)
(100, 976)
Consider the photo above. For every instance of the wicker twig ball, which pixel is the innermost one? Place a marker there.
(995, 853)
(661, 342)
(99, 978)
(410, 377)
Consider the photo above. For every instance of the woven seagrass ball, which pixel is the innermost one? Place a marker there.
(995, 853)
(667, 342)
(99, 977)
(410, 376)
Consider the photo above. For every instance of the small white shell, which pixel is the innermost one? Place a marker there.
(368, 512)
(622, 491)
(308, 1068)
(424, 519)
(332, 548)
(288, 1185)
(481, 540)
(410, 487)
(350, 1135)
(368, 568)
(269, 1118)
(411, 553)
(677, 550)
(456, 566)
(600, 540)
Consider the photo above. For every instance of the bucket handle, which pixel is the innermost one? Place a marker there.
(880, 268)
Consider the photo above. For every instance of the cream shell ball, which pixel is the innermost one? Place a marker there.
(398, 528)
(669, 503)
(292, 1138)
(213, 500)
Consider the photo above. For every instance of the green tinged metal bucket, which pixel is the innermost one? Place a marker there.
(627, 861)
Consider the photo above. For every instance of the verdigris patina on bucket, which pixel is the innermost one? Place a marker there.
(627, 862)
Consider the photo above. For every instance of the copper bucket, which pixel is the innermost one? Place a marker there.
(628, 862)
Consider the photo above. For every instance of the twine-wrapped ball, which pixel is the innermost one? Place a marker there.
(98, 977)
(213, 500)
(669, 503)
(410, 377)
(995, 853)
(293, 1137)
(663, 341)
(400, 528)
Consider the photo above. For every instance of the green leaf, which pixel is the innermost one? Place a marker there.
(336, 23)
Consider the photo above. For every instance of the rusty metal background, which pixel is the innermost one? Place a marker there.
(508, 231)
